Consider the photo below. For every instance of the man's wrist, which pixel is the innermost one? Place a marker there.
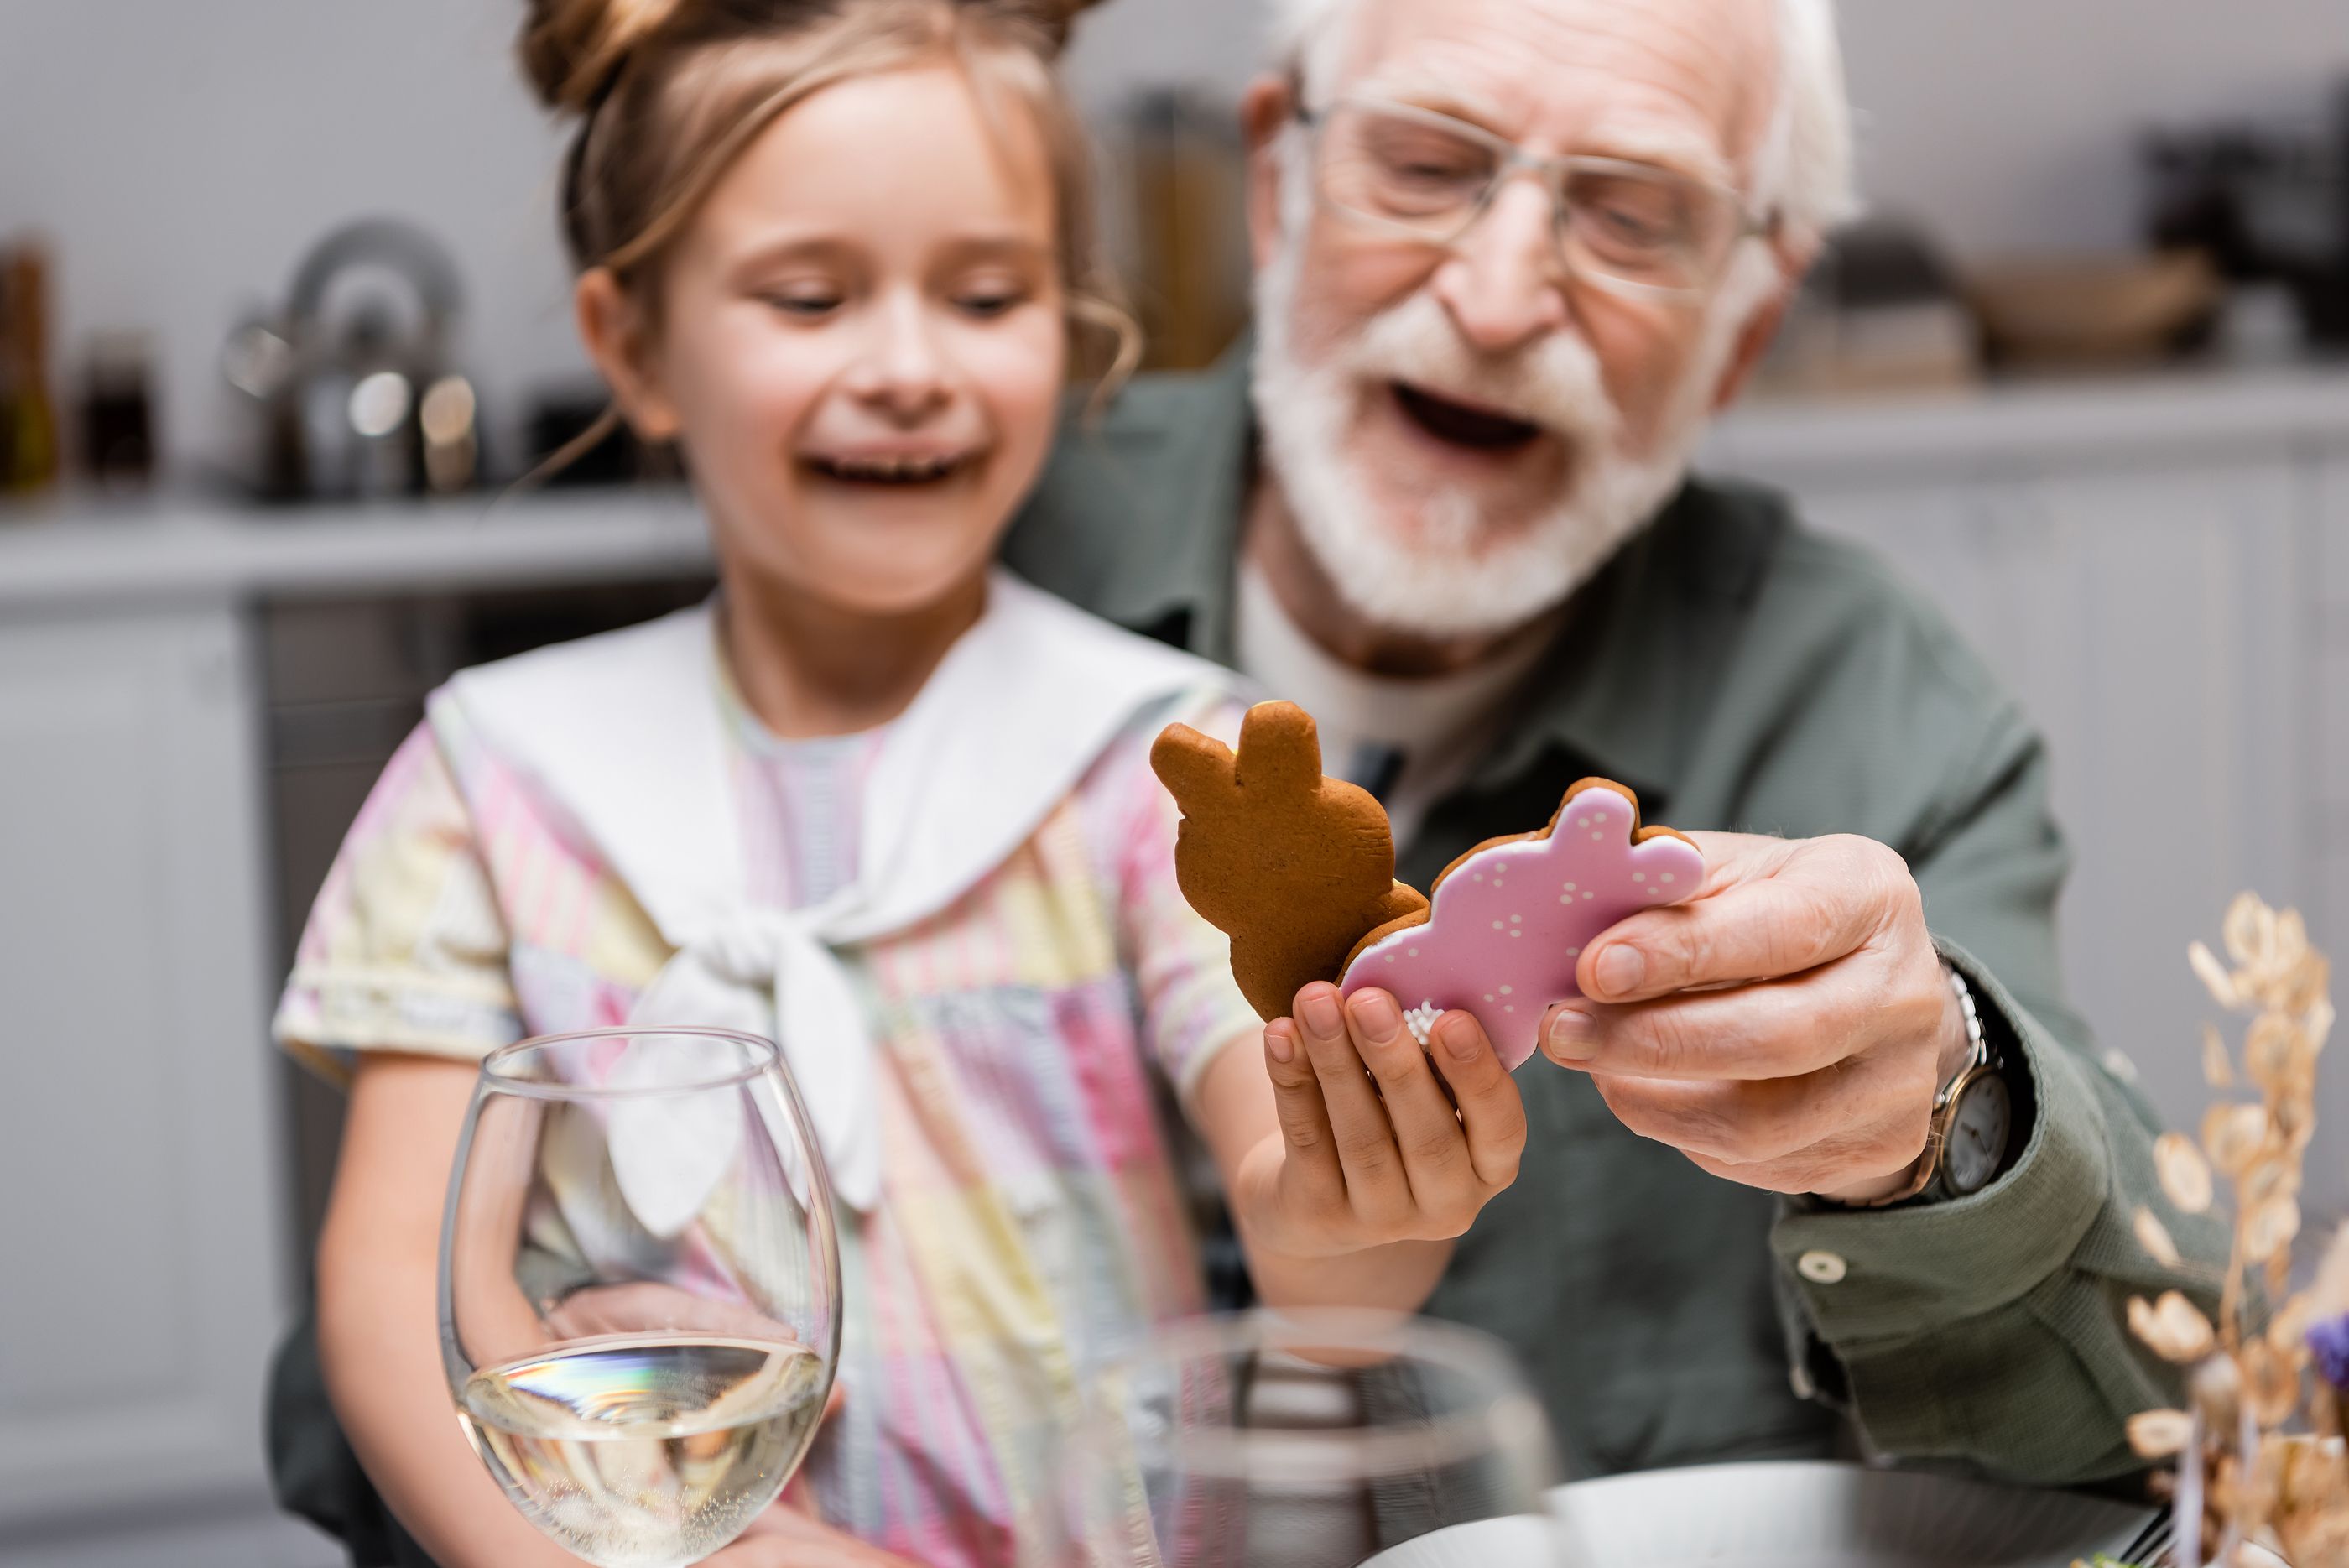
(1960, 1038)
(1962, 1027)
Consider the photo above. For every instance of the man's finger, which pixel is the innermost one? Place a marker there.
(1776, 1029)
(1770, 1029)
(1731, 858)
(1842, 1163)
(1756, 1123)
(1492, 1113)
(1814, 905)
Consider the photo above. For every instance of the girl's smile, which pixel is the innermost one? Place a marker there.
(899, 468)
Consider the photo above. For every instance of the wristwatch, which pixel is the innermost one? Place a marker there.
(1973, 1119)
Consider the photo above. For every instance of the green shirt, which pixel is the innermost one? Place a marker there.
(1741, 674)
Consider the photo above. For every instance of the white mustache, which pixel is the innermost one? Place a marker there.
(1554, 384)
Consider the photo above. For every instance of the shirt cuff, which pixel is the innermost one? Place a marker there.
(1247, 1027)
(331, 1013)
(1897, 1273)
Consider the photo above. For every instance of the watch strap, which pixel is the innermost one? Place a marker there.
(1929, 1163)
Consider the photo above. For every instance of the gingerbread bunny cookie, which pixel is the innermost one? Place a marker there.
(1293, 867)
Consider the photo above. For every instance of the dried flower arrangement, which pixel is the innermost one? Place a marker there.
(2262, 1472)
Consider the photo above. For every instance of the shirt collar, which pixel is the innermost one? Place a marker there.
(1185, 595)
(1648, 645)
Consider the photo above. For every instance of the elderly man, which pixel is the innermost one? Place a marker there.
(1510, 256)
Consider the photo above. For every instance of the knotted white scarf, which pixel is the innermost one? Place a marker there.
(625, 733)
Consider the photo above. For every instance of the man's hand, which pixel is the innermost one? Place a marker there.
(1370, 1149)
(1787, 1028)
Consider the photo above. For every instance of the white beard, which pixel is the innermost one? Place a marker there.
(1453, 575)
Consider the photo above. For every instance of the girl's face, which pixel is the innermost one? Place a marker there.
(861, 342)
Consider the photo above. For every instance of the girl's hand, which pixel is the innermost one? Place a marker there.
(1371, 1150)
(784, 1537)
(647, 1306)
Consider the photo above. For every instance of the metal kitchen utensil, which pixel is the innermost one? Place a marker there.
(354, 400)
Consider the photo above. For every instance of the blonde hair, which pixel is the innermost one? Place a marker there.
(669, 92)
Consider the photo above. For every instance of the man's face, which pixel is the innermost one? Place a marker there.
(1466, 431)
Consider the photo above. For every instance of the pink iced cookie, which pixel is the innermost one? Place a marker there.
(1509, 919)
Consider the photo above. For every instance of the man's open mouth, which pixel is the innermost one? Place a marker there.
(891, 470)
(1461, 424)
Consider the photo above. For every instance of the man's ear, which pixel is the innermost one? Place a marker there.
(1267, 110)
(1753, 338)
(619, 339)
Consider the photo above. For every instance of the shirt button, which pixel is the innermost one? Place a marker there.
(1822, 1268)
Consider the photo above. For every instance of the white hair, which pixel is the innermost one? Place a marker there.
(1803, 171)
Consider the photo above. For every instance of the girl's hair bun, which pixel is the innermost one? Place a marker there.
(1058, 15)
(571, 49)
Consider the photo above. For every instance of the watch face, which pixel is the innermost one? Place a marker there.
(1984, 1116)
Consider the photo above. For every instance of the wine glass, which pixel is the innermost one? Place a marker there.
(1319, 1439)
(639, 1287)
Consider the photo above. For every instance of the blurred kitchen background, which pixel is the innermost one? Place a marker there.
(283, 312)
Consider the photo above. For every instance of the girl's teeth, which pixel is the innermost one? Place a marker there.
(898, 470)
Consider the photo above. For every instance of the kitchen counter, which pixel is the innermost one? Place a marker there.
(72, 551)
(2175, 415)
(69, 550)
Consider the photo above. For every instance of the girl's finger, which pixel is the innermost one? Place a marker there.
(644, 1307)
(1427, 1131)
(1376, 1189)
(1304, 1122)
(784, 1537)
(1492, 1113)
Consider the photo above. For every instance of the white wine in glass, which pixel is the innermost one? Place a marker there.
(639, 1287)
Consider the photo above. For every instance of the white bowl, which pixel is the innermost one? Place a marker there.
(1791, 1514)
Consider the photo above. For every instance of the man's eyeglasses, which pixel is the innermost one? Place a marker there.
(1632, 228)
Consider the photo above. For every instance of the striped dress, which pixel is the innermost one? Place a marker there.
(1032, 1038)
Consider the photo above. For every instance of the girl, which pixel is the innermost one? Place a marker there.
(877, 800)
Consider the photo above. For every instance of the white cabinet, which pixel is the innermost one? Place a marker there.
(140, 1285)
(2161, 621)
(2328, 697)
(144, 1197)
